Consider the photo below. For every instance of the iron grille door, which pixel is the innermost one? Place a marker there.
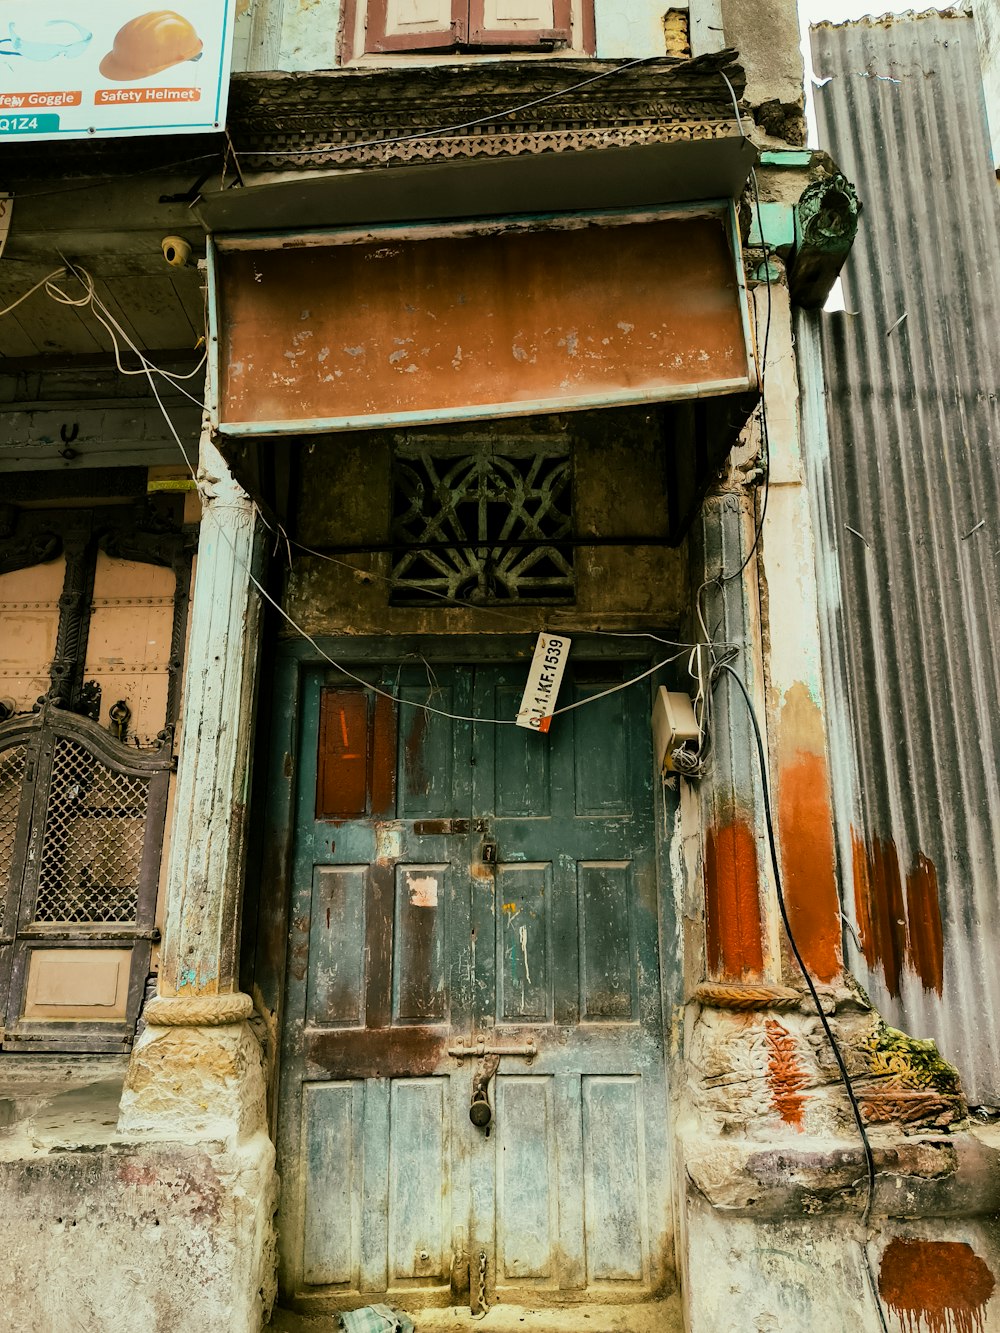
(81, 829)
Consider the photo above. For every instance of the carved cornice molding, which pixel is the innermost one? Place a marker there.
(343, 110)
(499, 144)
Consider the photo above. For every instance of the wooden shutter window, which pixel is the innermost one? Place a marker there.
(524, 23)
(441, 25)
(415, 25)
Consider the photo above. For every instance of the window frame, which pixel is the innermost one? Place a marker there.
(573, 34)
(378, 42)
(479, 35)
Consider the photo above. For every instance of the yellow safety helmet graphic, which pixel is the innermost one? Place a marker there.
(149, 43)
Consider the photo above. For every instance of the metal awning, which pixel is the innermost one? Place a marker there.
(640, 176)
(411, 325)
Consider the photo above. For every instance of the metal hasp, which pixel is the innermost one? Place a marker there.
(526, 1052)
(826, 223)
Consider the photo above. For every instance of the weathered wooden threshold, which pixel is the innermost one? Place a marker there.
(650, 1317)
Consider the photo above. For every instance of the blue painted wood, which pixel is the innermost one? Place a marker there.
(614, 1185)
(336, 995)
(404, 941)
(332, 1164)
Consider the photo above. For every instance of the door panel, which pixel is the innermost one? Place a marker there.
(332, 1115)
(509, 896)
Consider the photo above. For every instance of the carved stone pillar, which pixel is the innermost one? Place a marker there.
(198, 1061)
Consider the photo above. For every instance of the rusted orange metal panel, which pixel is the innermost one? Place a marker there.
(489, 323)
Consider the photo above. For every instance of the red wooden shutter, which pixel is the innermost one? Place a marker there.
(509, 23)
(415, 25)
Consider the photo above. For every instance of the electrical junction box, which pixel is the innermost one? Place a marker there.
(674, 723)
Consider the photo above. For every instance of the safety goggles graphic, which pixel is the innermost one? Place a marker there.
(38, 51)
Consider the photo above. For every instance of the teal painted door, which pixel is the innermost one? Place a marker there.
(460, 888)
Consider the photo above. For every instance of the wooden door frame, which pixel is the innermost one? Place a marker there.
(270, 887)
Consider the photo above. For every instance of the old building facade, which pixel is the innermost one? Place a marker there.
(474, 325)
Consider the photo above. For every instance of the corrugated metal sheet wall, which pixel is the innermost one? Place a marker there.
(904, 451)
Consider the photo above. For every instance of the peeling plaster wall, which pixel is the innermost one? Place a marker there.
(798, 1275)
(299, 35)
(108, 1229)
(630, 28)
(801, 774)
(766, 35)
(137, 1239)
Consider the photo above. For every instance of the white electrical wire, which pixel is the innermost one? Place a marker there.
(111, 325)
(393, 698)
(43, 282)
(461, 604)
(104, 316)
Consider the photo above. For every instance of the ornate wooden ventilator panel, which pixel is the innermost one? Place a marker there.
(83, 791)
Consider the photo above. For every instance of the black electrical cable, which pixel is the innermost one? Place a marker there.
(765, 437)
(828, 1030)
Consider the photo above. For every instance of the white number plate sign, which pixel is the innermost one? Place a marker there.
(544, 678)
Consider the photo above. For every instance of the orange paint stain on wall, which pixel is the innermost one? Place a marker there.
(808, 866)
(925, 937)
(937, 1286)
(732, 903)
(785, 1076)
(878, 900)
(897, 932)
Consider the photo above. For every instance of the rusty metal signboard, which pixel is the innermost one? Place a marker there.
(418, 324)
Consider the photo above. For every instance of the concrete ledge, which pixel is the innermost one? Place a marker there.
(137, 1237)
(929, 1175)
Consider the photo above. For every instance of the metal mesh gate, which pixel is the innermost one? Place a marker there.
(81, 827)
(12, 765)
(95, 827)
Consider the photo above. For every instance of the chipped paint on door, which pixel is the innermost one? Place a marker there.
(516, 913)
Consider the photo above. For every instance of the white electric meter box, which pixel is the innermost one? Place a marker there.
(674, 724)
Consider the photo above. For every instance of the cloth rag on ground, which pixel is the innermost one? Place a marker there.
(376, 1319)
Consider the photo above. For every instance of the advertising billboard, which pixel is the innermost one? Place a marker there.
(115, 67)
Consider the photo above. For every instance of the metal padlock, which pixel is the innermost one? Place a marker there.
(480, 1112)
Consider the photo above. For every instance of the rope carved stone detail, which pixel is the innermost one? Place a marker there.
(198, 1011)
(745, 998)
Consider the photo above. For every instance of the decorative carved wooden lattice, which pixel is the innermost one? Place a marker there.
(482, 526)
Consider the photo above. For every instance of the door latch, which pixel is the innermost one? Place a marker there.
(480, 1111)
(438, 828)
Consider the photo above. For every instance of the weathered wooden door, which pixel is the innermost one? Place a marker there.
(474, 902)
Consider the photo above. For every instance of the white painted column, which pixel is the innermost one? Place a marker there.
(198, 1062)
(200, 954)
